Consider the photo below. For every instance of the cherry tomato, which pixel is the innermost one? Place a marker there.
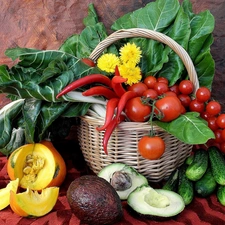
(151, 148)
(139, 88)
(203, 94)
(150, 81)
(185, 100)
(175, 88)
(170, 107)
(212, 123)
(223, 134)
(196, 106)
(161, 88)
(213, 107)
(170, 93)
(218, 136)
(163, 80)
(136, 111)
(220, 121)
(150, 93)
(186, 87)
(204, 115)
(222, 147)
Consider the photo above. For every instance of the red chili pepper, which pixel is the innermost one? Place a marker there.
(88, 62)
(92, 78)
(122, 102)
(100, 90)
(117, 81)
(110, 110)
(109, 130)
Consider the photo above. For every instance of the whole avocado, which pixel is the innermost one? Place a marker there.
(94, 201)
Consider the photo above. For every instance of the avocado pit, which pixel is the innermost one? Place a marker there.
(121, 181)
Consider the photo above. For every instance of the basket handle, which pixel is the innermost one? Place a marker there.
(146, 33)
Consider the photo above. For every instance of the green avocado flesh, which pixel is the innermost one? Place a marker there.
(123, 178)
(155, 202)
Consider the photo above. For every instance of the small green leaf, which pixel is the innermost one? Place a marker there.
(188, 128)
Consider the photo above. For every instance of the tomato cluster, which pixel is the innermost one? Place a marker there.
(167, 103)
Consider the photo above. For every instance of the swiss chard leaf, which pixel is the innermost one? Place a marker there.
(31, 110)
(16, 140)
(188, 128)
(158, 16)
(48, 114)
(7, 114)
(180, 32)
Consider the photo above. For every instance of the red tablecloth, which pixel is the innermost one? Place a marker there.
(200, 211)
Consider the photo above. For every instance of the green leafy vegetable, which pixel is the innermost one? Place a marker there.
(188, 128)
(7, 115)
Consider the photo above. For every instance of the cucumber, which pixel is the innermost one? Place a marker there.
(189, 159)
(198, 166)
(172, 181)
(221, 194)
(185, 186)
(217, 162)
(206, 185)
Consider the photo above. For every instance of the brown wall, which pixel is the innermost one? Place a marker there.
(45, 24)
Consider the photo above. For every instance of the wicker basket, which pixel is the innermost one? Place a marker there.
(122, 146)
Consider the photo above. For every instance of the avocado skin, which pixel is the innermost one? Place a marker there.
(94, 201)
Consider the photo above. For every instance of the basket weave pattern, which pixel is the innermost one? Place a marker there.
(122, 146)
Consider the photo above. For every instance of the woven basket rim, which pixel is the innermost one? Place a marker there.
(151, 34)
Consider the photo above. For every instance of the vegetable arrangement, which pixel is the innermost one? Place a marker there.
(202, 175)
(40, 75)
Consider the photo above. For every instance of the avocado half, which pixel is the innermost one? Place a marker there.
(155, 203)
(123, 178)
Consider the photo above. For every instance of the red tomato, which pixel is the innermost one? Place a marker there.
(150, 81)
(223, 134)
(151, 147)
(136, 111)
(170, 93)
(218, 136)
(212, 123)
(186, 87)
(203, 94)
(213, 107)
(163, 80)
(220, 121)
(138, 88)
(150, 93)
(170, 107)
(196, 106)
(222, 147)
(161, 88)
(204, 115)
(175, 88)
(185, 100)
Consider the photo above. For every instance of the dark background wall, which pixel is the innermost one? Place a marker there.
(45, 24)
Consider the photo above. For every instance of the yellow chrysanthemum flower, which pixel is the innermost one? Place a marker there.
(132, 73)
(130, 52)
(108, 62)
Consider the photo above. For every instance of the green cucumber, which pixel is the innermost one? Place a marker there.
(198, 166)
(172, 181)
(221, 194)
(217, 162)
(185, 186)
(189, 159)
(206, 185)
